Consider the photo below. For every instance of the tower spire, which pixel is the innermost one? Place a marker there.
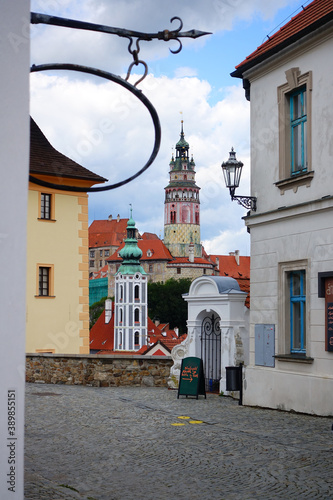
(182, 205)
(182, 129)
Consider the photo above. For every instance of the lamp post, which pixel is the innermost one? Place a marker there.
(232, 170)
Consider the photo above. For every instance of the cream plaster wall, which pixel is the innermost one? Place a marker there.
(59, 324)
(290, 227)
(265, 124)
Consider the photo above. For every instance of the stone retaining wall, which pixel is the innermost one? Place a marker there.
(98, 370)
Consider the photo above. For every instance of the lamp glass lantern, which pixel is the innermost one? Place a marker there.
(232, 171)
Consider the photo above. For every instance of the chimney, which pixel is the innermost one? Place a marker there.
(237, 257)
(156, 321)
(176, 330)
(108, 311)
(110, 217)
(118, 218)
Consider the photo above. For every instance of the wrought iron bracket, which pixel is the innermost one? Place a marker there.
(249, 202)
(165, 35)
(138, 93)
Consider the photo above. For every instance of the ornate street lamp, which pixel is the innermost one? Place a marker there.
(232, 170)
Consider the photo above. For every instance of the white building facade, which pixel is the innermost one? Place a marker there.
(289, 83)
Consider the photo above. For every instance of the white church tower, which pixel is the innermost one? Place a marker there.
(131, 311)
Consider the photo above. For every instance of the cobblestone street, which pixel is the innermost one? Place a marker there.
(125, 443)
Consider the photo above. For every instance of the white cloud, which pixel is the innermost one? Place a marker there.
(228, 241)
(105, 129)
(100, 125)
(185, 71)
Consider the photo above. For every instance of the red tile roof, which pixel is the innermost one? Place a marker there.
(106, 233)
(313, 16)
(102, 273)
(102, 334)
(227, 266)
(159, 353)
(156, 246)
(102, 337)
(46, 160)
(184, 261)
(149, 236)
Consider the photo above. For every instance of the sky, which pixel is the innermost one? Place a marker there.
(106, 129)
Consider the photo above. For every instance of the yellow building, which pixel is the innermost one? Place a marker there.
(57, 252)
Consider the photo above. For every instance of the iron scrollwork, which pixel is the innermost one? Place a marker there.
(249, 202)
(210, 325)
(165, 35)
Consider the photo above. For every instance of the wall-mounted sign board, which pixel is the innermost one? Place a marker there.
(329, 314)
(191, 379)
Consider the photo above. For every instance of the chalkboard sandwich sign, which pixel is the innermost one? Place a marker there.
(191, 379)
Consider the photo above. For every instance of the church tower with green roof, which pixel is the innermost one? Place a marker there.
(182, 204)
(131, 311)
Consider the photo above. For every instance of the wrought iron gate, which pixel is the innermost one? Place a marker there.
(211, 352)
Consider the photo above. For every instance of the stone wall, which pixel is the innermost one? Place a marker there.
(98, 370)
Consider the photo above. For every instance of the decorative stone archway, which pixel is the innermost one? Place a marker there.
(222, 298)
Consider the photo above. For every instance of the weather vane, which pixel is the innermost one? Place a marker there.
(164, 35)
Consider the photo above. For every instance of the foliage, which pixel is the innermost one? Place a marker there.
(95, 310)
(165, 302)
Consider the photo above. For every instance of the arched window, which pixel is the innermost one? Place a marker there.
(136, 315)
(120, 315)
(136, 292)
(136, 340)
(120, 339)
(121, 292)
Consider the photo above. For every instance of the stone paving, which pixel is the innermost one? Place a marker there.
(123, 444)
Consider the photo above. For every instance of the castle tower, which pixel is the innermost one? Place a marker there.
(131, 312)
(182, 205)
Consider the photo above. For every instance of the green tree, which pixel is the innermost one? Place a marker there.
(95, 310)
(165, 302)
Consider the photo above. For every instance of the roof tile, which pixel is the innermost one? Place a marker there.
(46, 160)
(314, 15)
(106, 233)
